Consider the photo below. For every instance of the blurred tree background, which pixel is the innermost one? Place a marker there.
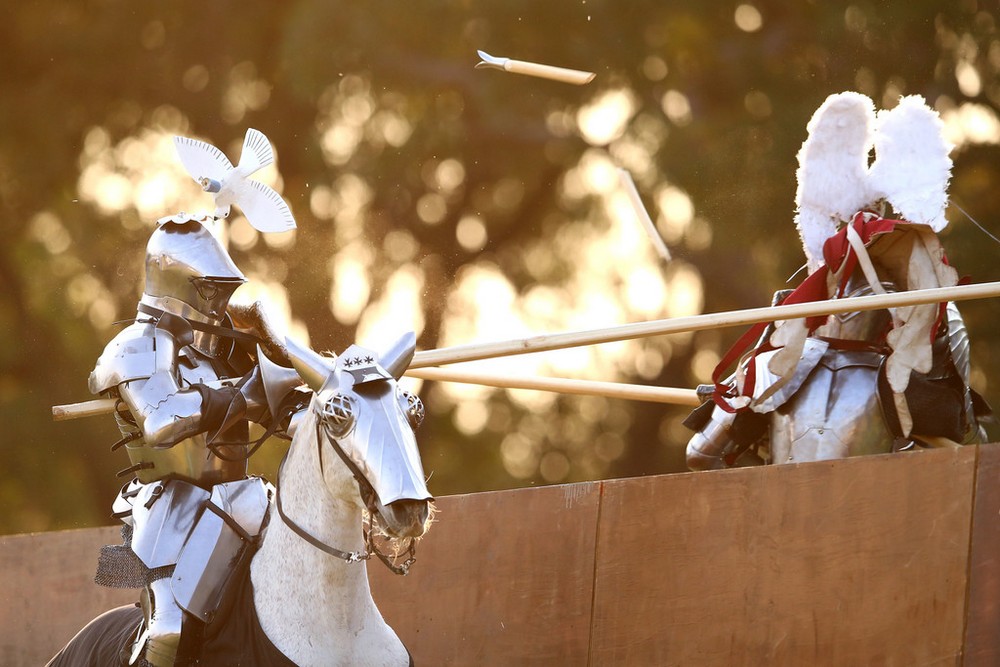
(467, 205)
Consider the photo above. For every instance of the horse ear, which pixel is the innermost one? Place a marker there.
(396, 359)
(314, 369)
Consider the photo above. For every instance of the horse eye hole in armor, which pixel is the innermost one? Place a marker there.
(413, 407)
(338, 415)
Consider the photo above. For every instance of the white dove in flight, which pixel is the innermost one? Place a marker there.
(264, 208)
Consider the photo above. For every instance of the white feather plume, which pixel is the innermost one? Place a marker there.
(911, 170)
(912, 166)
(833, 169)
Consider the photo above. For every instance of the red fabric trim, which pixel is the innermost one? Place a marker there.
(837, 255)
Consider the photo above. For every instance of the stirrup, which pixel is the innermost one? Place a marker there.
(134, 650)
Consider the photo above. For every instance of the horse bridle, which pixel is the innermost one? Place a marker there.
(368, 495)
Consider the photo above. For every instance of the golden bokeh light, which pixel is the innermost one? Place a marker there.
(971, 123)
(605, 118)
(351, 287)
(46, 228)
(677, 108)
(399, 308)
(748, 18)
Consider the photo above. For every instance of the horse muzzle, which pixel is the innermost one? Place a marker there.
(405, 517)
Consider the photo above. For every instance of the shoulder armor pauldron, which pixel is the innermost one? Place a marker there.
(137, 352)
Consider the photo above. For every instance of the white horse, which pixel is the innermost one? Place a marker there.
(306, 600)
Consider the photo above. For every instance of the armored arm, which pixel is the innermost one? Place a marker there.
(722, 437)
(711, 442)
(141, 366)
(164, 412)
(266, 395)
(268, 389)
(255, 319)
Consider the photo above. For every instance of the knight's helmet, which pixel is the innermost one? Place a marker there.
(189, 273)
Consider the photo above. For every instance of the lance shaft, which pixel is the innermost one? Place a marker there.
(632, 392)
(559, 341)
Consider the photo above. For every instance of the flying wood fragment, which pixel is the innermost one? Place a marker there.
(573, 76)
(640, 212)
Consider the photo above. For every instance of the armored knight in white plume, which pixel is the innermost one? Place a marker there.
(188, 375)
(857, 383)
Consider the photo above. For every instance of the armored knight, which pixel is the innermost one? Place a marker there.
(186, 386)
(865, 382)
(187, 381)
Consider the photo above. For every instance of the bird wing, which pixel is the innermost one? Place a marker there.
(257, 152)
(264, 208)
(202, 160)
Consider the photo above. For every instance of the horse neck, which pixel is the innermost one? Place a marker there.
(315, 608)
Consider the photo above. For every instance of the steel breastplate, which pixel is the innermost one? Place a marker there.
(189, 460)
(865, 325)
(835, 414)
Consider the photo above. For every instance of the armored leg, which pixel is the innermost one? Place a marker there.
(206, 565)
(186, 542)
(163, 516)
(164, 621)
(707, 446)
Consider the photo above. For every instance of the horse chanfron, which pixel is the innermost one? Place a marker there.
(370, 422)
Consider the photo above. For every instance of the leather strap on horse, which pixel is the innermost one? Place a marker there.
(367, 494)
(349, 556)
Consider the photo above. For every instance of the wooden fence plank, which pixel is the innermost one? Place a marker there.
(862, 561)
(982, 638)
(503, 578)
(48, 592)
(853, 562)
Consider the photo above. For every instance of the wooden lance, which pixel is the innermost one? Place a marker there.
(558, 341)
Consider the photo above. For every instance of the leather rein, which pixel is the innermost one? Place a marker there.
(367, 495)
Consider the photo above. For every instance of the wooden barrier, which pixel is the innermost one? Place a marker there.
(876, 560)
(48, 592)
(982, 637)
